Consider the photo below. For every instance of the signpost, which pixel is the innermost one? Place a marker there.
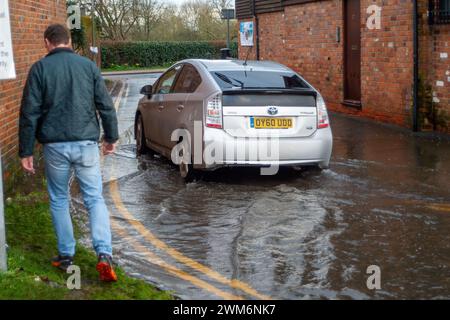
(228, 14)
(94, 49)
(3, 263)
(7, 71)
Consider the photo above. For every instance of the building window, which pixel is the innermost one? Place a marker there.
(439, 11)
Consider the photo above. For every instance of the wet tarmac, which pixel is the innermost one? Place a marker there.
(299, 235)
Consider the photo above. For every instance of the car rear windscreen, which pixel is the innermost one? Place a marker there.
(258, 80)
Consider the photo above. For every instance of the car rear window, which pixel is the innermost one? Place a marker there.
(258, 80)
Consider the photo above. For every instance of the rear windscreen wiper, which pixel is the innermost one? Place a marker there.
(226, 79)
(279, 88)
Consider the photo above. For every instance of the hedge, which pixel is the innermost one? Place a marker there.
(151, 54)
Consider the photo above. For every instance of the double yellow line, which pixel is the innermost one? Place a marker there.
(442, 207)
(154, 259)
(150, 237)
(439, 207)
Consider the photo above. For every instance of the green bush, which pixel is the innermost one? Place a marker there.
(151, 54)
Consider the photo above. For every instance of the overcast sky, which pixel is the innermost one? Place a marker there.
(176, 1)
(182, 1)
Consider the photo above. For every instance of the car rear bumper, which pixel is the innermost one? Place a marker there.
(312, 150)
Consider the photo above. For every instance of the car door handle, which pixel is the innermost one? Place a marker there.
(180, 108)
(161, 108)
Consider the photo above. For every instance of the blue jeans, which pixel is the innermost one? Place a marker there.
(83, 157)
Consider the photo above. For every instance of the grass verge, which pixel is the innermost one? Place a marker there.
(32, 243)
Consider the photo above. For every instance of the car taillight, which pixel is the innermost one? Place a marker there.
(214, 112)
(322, 114)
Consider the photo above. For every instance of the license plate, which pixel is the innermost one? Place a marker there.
(271, 123)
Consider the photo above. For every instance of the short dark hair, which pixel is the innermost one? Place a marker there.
(57, 34)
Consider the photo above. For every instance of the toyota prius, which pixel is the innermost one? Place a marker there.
(207, 114)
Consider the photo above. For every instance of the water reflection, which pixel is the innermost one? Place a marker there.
(302, 235)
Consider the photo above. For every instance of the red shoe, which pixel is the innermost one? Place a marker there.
(105, 268)
(62, 262)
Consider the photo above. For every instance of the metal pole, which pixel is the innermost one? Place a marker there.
(93, 22)
(3, 262)
(416, 127)
(228, 33)
(256, 27)
(93, 29)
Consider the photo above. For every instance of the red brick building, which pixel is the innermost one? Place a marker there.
(360, 53)
(29, 19)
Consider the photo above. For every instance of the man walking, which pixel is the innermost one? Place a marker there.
(62, 97)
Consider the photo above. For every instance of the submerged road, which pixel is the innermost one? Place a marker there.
(298, 235)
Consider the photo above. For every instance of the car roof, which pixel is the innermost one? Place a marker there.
(238, 65)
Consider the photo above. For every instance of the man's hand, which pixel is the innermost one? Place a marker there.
(108, 148)
(28, 165)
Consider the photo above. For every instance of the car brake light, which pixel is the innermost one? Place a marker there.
(214, 112)
(322, 114)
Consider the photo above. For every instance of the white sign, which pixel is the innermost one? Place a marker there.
(7, 67)
(246, 34)
(374, 20)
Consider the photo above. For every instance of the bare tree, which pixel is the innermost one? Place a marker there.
(219, 5)
(203, 18)
(117, 17)
(153, 20)
(150, 12)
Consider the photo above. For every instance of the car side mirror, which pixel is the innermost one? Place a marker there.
(147, 90)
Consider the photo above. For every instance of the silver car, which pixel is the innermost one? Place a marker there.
(206, 114)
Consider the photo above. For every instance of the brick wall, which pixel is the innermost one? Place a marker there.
(387, 62)
(29, 19)
(312, 47)
(303, 37)
(435, 66)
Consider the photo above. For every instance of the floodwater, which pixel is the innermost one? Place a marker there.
(298, 235)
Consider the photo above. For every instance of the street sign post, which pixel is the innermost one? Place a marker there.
(3, 263)
(7, 71)
(228, 14)
(93, 23)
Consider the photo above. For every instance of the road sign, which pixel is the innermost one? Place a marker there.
(7, 67)
(3, 264)
(228, 14)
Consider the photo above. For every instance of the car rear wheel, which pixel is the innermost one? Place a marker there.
(141, 145)
(187, 171)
